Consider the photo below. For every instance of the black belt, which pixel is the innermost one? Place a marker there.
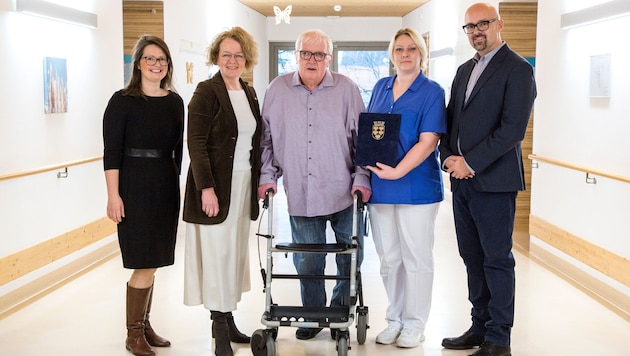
(143, 153)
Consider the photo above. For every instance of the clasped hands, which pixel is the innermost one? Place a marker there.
(457, 168)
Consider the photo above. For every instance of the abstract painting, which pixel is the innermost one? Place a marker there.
(55, 85)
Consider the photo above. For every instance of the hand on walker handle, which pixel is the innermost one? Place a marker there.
(263, 188)
(366, 193)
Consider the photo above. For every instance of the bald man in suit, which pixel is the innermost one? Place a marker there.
(491, 100)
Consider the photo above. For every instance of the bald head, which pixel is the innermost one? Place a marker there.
(486, 40)
(481, 8)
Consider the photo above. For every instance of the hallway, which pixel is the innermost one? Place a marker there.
(86, 316)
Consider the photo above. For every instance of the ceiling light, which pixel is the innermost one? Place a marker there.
(337, 8)
(56, 12)
(606, 11)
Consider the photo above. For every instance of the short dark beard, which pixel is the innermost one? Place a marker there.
(480, 47)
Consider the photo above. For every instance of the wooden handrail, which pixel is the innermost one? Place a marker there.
(596, 172)
(49, 168)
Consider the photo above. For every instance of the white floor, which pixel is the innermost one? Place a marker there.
(87, 315)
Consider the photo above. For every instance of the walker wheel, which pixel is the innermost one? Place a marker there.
(362, 324)
(342, 345)
(263, 343)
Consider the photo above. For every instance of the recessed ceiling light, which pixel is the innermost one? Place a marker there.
(337, 8)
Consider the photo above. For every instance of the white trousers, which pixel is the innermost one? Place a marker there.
(403, 236)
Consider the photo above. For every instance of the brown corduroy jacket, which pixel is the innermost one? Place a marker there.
(212, 133)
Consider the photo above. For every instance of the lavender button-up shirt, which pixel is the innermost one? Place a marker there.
(309, 139)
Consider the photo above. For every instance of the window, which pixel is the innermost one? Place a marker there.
(363, 62)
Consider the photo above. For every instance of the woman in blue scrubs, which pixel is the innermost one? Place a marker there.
(405, 198)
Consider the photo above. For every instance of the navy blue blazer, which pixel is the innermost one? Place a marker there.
(492, 124)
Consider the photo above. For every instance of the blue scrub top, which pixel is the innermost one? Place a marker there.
(423, 109)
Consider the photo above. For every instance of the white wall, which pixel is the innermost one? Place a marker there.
(443, 20)
(198, 22)
(571, 126)
(29, 139)
(36, 208)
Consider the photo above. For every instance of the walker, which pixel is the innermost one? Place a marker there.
(263, 341)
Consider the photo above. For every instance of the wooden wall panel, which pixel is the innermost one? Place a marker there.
(597, 257)
(519, 32)
(30, 259)
(139, 18)
(520, 26)
(248, 76)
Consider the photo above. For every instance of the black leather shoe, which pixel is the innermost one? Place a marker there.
(307, 333)
(468, 340)
(488, 349)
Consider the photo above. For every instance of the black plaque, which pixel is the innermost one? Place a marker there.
(377, 139)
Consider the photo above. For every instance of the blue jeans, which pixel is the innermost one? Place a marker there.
(312, 230)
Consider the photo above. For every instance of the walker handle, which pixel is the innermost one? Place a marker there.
(360, 202)
(268, 195)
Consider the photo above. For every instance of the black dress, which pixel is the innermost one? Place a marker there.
(149, 186)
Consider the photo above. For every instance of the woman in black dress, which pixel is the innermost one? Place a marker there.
(142, 133)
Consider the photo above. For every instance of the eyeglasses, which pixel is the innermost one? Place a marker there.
(319, 56)
(239, 57)
(152, 60)
(481, 26)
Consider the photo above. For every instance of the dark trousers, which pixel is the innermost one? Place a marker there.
(484, 223)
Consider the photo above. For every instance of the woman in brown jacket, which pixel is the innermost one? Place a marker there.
(224, 146)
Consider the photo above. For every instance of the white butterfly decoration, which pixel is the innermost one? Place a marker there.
(283, 15)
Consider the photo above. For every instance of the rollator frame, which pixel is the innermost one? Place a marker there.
(333, 317)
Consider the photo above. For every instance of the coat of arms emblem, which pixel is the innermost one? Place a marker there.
(378, 130)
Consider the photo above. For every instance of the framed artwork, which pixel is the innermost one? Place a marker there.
(128, 64)
(190, 67)
(600, 76)
(55, 85)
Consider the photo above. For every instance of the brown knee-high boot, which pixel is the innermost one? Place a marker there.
(137, 300)
(152, 338)
(234, 333)
(220, 334)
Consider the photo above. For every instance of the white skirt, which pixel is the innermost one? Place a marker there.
(217, 256)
